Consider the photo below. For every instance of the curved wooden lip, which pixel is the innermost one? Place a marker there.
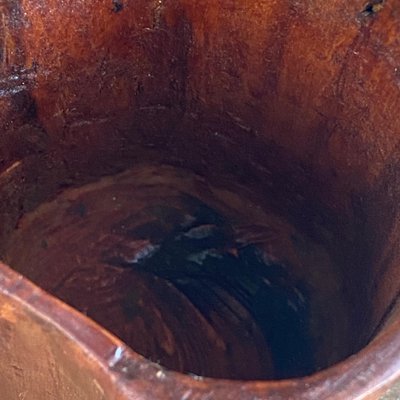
(365, 374)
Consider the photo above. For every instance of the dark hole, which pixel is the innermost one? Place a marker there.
(118, 6)
(373, 7)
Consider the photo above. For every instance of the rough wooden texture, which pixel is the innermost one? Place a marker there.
(297, 99)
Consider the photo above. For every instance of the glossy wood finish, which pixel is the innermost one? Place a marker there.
(49, 349)
(301, 98)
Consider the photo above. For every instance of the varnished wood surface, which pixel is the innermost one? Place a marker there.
(301, 97)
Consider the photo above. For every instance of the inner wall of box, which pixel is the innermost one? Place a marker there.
(204, 91)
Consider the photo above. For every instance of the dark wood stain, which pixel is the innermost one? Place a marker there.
(292, 106)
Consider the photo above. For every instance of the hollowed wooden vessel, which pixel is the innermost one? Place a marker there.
(292, 106)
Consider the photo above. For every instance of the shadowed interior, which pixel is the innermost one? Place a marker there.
(195, 277)
(261, 186)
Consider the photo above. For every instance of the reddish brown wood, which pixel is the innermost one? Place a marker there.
(297, 101)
